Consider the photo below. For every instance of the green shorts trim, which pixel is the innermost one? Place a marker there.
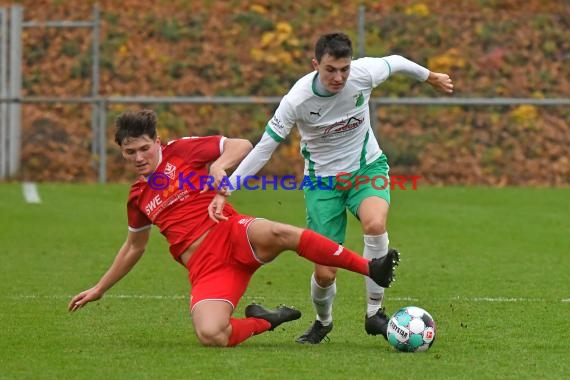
(329, 197)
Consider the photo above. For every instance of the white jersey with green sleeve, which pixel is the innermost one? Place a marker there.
(335, 130)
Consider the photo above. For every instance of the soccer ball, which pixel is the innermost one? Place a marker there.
(411, 329)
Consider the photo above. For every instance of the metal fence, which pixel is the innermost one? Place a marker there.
(11, 25)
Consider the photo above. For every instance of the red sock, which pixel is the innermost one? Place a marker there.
(245, 328)
(323, 251)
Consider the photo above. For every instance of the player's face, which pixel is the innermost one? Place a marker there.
(333, 72)
(143, 153)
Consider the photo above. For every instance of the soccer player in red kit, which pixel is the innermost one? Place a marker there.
(220, 256)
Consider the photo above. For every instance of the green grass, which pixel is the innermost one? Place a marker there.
(491, 265)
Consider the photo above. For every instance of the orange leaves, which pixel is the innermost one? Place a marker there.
(448, 62)
(277, 47)
(419, 9)
(259, 48)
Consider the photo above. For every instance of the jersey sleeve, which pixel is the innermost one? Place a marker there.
(137, 220)
(378, 69)
(399, 64)
(382, 68)
(282, 122)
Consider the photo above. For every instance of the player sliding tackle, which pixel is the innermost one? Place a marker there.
(220, 256)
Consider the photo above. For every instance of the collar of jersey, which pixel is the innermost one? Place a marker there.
(314, 86)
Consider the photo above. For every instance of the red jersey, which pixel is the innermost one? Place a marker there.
(170, 197)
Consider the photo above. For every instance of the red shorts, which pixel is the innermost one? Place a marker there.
(222, 265)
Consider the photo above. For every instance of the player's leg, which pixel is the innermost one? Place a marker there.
(269, 239)
(370, 203)
(214, 297)
(211, 319)
(323, 292)
(324, 251)
(326, 214)
(215, 326)
(219, 272)
(373, 213)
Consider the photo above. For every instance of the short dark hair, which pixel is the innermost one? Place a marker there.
(133, 124)
(337, 45)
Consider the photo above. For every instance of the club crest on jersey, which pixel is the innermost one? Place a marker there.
(170, 171)
(359, 99)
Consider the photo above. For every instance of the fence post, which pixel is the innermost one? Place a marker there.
(95, 82)
(361, 30)
(3, 92)
(102, 117)
(15, 90)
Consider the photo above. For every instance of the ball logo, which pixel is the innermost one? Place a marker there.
(429, 334)
(402, 334)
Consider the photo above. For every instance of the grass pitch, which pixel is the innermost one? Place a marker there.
(490, 265)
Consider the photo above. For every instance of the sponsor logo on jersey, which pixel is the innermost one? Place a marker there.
(276, 124)
(343, 126)
(153, 204)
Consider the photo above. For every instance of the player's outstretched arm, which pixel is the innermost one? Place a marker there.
(126, 258)
(440, 81)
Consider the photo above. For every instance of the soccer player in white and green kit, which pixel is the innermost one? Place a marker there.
(330, 108)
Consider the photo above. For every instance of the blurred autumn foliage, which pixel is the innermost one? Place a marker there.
(491, 48)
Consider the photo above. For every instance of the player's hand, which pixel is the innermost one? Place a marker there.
(216, 208)
(441, 82)
(83, 299)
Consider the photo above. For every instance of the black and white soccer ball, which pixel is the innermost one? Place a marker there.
(411, 329)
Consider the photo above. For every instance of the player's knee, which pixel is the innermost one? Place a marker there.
(325, 276)
(374, 227)
(212, 336)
